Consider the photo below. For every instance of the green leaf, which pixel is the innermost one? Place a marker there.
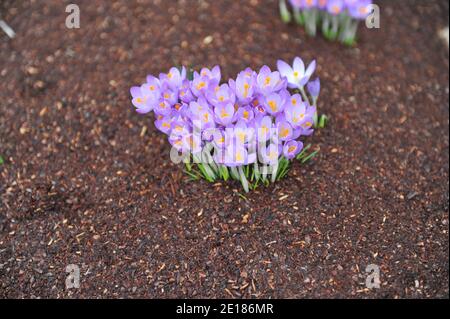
(284, 12)
(349, 41)
(206, 172)
(192, 176)
(243, 179)
(256, 184)
(310, 156)
(303, 152)
(323, 120)
(2, 161)
(190, 74)
(243, 197)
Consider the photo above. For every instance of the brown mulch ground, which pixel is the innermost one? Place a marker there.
(81, 184)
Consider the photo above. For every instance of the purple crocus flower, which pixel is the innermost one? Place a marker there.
(202, 84)
(179, 128)
(241, 133)
(192, 143)
(237, 155)
(335, 7)
(271, 154)
(295, 100)
(359, 9)
(221, 95)
(244, 86)
(296, 3)
(169, 95)
(314, 88)
(185, 93)
(152, 87)
(308, 4)
(296, 116)
(219, 139)
(269, 82)
(202, 114)
(291, 149)
(162, 108)
(285, 130)
(322, 4)
(199, 106)
(257, 105)
(224, 113)
(213, 75)
(263, 128)
(164, 125)
(275, 103)
(141, 102)
(245, 114)
(177, 141)
(174, 78)
(296, 75)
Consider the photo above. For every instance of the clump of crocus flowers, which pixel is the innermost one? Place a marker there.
(337, 19)
(248, 129)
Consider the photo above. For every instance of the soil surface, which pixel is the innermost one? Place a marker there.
(87, 181)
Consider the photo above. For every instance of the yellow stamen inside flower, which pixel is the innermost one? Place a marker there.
(182, 93)
(166, 125)
(246, 89)
(151, 88)
(206, 117)
(201, 85)
(163, 105)
(307, 125)
(284, 132)
(239, 157)
(166, 96)
(294, 102)
(267, 81)
(221, 140)
(177, 107)
(273, 106)
(170, 75)
(255, 103)
(264, 129)
(336, 9)
(139, 100)
(224, 113)
(241, 136)
(221, 98)
(296, 74)
(292, 149)
(246, 115)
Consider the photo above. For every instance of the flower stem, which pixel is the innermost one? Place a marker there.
(284, 12)
(243, 179)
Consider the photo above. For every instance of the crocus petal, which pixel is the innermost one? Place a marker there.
(284, 69)
(299, 66)
(135, 91)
